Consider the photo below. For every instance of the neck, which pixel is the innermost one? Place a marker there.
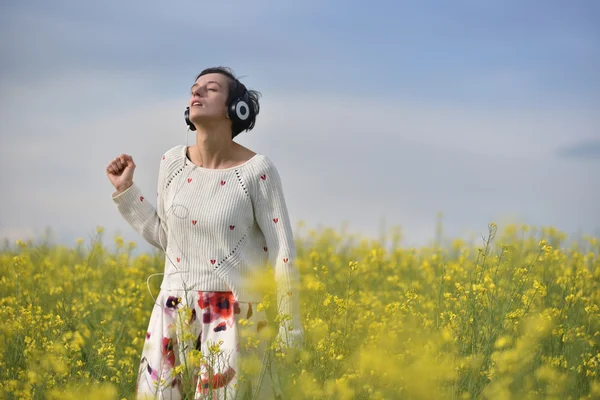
(214, 146)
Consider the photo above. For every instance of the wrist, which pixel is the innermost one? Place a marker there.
(123, 187)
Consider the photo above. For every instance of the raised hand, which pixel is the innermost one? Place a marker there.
(120, 172)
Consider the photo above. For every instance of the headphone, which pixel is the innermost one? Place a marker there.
(238, 111)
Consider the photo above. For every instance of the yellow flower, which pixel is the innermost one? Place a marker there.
(502, 342)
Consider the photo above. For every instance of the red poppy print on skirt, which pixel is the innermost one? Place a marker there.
(208, 319)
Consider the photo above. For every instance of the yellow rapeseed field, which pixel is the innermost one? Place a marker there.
(515, 315)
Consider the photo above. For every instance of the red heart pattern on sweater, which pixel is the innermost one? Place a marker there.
(263, 177)
(194, 222)
(275, 220)
(141, 198)
(178, 259)
(213, 261)
(285, 260)
(232, 227)
(189, 180)
(223, 183)
(265, 248)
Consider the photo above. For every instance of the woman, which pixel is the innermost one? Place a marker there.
(220, 218)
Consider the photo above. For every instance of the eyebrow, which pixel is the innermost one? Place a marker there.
(196, 84)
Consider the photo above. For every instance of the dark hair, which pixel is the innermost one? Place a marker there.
(237, 89)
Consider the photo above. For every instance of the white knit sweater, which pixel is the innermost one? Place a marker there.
(219, 226)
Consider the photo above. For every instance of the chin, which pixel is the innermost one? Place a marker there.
(199, 117)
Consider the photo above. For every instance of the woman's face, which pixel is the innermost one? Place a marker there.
(209, 98)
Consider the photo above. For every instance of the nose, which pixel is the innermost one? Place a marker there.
(198, 92)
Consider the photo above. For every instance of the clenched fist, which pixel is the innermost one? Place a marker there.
(120, 172)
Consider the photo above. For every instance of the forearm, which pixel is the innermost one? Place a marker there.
(141, 215)
(287, 280)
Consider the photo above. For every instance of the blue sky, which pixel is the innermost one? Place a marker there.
(371, 111)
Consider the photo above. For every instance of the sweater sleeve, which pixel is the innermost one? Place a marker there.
(141, 214)
(273, 219)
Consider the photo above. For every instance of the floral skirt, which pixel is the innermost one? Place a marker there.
(206, 345)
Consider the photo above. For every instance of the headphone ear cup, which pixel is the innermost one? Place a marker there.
(242, 110)
(186, 114)
(239, 110)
